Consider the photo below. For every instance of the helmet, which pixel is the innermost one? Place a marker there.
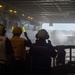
(17, 30)
(43, 34)
(2, 29)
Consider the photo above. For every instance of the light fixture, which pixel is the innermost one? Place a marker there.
(15, 11)
(1, 6)
(22, 14)
(11, 10)
(31, 18)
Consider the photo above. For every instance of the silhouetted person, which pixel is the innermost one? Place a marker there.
(41, 53)
(60, 60)
(6, 51)
(19, 44)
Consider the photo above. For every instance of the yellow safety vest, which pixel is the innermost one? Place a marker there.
(18, 47)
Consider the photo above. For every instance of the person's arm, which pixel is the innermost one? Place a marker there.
(9, 50)
(53, 52)
(28, 41)
(26, 36)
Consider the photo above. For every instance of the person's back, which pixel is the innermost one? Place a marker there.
(3, 54)
(41, 53)
(19, 45)
(6, 51)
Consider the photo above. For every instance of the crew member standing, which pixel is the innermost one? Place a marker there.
(19, 44)
(41, 53)
(6, 51)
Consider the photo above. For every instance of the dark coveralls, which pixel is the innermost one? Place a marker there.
(41, 53)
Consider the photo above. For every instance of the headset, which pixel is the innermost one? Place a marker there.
(44, 36)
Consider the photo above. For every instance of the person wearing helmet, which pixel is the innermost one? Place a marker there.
(41, 53)
(6, 51)
(19, 44)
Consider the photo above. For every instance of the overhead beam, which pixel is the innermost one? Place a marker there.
(58, 7)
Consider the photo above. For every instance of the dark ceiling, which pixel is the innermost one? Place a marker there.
(46, 10)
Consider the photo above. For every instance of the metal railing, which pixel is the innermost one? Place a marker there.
(69, 56)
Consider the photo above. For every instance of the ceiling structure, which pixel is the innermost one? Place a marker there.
(51, 11)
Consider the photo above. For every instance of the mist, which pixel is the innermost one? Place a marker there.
(59, 35)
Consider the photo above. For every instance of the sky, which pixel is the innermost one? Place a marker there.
(59, 26)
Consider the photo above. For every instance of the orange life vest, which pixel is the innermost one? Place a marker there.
(18, 47)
